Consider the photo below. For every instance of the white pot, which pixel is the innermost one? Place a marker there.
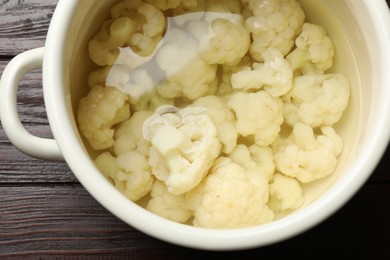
(361, 31)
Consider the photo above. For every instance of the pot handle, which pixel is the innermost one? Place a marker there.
(41, 148)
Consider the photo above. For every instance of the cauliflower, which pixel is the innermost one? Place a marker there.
(134, 25)
(164, 5)
(223, 40)
(126, 8)
(274, 75)
(306, 156)
(256, 158)
(274, 24)
(98, 112)
(98, 77)
(219, 29)
(189, 76)
(151, 101)
(145, 42)
(227, 6)
(205, 112)
(104, 47)
(226, 71)
(258, 114)
(223, 119)
(314, 50)
(285, 193)
(167, 205)
(317, 100)
(129, 135)
(136, 83)
(230, 197)
(129, 169)
(195, 8)
(184, 146)
(130, 173)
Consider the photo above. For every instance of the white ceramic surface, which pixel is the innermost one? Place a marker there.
(361, 30)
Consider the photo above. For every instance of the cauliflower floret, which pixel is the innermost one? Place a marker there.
(138, 83)
(223, 119)
(227, 6)
(126, 8)
(228, 70)
(130, 173)
(129, 135)
(317, 100)
(256, 158)
(222, 36)
(189, 76)
(167, 205)
(129, 170)
(146, 41)
(134, 25)
(306, 156)
(135, 82)
(193, 7)
(275, 24)
(274, 75)
(225, 73)
(114, 33)
(98, 77)
(230, 197)
(184, 146)
(314, 50)
(151, 101)
(258, 114)
(165, 4)
(224, 40)
(285, 193)
(150, 20)
(98, 112)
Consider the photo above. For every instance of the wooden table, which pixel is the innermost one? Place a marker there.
(45, 212)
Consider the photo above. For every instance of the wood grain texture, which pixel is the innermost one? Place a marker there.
(16, 167)
(59, 220)
(24, 24)
(46, 214)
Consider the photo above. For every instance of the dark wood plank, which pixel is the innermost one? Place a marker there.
(40, 221)
(30, 98)
(24, 24)
(16, 167)
(53, 220)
